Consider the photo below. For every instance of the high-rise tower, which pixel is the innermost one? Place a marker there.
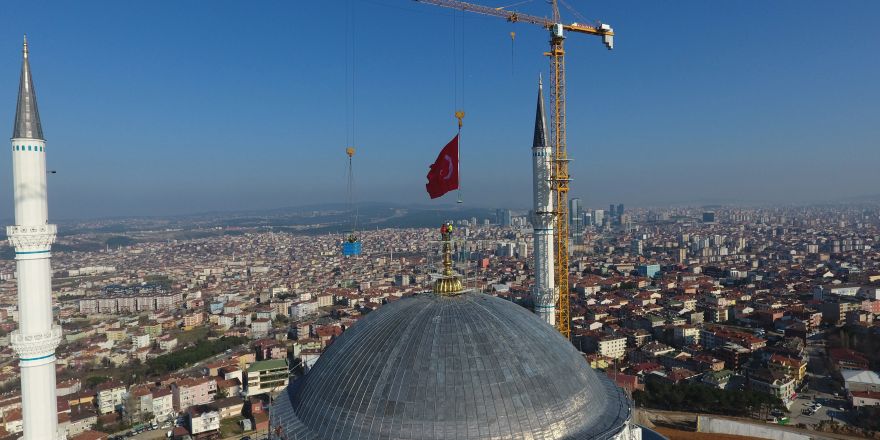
(32, 237)
(544, 291)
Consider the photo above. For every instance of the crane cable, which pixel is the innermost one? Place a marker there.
(458, 92)
(350, 138)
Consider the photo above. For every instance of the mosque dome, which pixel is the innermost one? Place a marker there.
(467, 366)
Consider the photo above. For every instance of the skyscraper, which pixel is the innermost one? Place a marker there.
(504, 217)
(575, 216)
(32, 237)
(599, 218)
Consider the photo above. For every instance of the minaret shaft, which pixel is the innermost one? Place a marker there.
(544, 291)
(32, 236)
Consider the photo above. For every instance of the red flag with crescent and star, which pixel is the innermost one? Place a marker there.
(443, 176)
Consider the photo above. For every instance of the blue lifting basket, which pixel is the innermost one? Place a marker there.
(350, 248)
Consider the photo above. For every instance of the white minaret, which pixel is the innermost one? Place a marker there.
(32, 236)
(544, 292)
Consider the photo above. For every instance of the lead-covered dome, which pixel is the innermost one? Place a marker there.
(465, 367)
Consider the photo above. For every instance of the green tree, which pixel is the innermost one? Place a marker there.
(93, 381)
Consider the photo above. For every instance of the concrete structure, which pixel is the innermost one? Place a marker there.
(613, 346)
(163, 404)
(228, 407)
(861, 380)
(140, 341)
(138, 402)
(32, 237)
(717, 425)
(144, 404)
(649, 270)
(864, 398)
(544, 290)
(774, 383)
(267, 376)
(203, 419)
(191, 391)
(834, 312)
(111, 395)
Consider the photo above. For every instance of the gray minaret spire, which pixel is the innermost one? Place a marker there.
(544, 289)
(540, 121)
(27, 117)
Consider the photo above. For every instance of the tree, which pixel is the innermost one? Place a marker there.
(700, 398)
(93, 381)
(222, 393)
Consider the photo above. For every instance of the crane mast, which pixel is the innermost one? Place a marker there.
(560, 175)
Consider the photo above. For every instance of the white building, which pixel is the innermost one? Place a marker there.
(163, 404)
(111, 396)
(303, 309)
(861, 380)
(832, 290)
(260, 327)
(864, 398)
(613, 346)
(203, 420)
(140, 341)
(267, 376)
(167, 343)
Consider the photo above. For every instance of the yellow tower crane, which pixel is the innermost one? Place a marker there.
(561, 177)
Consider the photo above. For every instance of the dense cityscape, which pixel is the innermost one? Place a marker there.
(774, 302)
(261, 228)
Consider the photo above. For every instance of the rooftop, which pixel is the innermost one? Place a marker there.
(271, 364)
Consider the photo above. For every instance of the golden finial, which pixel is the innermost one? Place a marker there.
(449, 284)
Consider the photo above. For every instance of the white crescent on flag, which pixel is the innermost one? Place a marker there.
(448, 167)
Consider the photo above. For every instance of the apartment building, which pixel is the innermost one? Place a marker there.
(193, 391)
(267, 376)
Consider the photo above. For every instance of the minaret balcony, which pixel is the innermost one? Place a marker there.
(36, 346)
(31, 239)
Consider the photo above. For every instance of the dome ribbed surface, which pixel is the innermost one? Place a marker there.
(466, 367)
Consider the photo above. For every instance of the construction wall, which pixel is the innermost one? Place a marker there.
(726, 426)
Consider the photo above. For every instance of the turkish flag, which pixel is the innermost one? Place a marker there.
(443, 176)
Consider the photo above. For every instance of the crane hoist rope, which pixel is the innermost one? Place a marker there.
(351, 245)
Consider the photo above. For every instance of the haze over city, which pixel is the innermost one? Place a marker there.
(169, 108)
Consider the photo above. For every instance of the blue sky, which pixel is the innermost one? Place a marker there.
(166, 107)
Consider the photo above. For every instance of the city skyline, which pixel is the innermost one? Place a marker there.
(146, 112)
